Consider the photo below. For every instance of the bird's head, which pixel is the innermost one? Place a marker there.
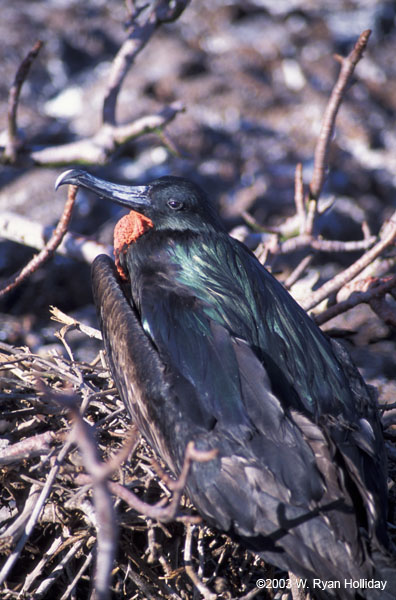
(171, 203)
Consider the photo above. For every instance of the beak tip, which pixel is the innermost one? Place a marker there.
(66, 177)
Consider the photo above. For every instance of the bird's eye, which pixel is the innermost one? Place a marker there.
(175, 204)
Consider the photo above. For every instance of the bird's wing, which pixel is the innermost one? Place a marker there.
(327, 387)
(220, 293)
(274, 472)
(221, 387)
(185, 377)
(241, 295)
(194, 381)
(250, 302)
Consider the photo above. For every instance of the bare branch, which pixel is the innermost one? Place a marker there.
(191, 455)
(98, 149)
(158, 511)
(23, 230)
(36, 510)
(366, 230)
(163, 12)
(308, 241)
(332, 286)
(203, 590)
(377, 268)
(299, 196)
(348, 65)
(33, 446)
(16, 528)
(147, 124)
(298, 271)
(69, 590)
(122, 62)
(98, 474)
(106, 521)
(13, 98)
(311, 214)
(49, 248)
(61, 317)
(373, 291)
(38, 570)
(256, 226)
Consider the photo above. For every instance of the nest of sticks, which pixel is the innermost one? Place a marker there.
(83, 495)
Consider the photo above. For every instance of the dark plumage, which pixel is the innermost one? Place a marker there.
(205, 345)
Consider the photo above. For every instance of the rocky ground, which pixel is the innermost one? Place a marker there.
(254, 77)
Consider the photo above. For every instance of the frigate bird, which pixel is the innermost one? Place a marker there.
(206, 346)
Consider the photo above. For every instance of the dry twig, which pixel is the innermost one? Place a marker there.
(307, 217)
(71, 323)
(98, 473)
(374, 290)
(332, 286)
(98, 149)
(206, 593)
(13, 141)
(47, 252)
(139, 35)
(23, 230)
(299, 197)
(106, 522)
(32, 446)
(36, 510)
(348, 65)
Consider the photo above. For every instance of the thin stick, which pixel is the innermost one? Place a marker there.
(99, 148)
(38, 569)
(298, 271)
(11, 560)
(348, 65)
(356, 298)
(163, 12)
(106, 530)
(35, 445)
(60, 317)
(23, 230)
(201, 587)
(389, 235)
(308, 241)
(84, 566)
(121, 64)
(299, 196)
(13, 98)
(311, 214)
(158, 511)
(47, 252)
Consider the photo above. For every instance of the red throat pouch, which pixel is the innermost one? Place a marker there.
(128, 230)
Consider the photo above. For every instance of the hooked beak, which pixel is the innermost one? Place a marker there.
(133, 197)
